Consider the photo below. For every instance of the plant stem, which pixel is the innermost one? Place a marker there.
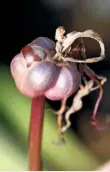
(35, 133)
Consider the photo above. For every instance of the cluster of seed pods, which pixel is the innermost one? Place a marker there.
(36, 73)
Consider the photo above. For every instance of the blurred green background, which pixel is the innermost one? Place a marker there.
(21, 22)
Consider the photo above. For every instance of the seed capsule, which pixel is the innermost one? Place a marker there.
(39, 49)
(67, 83)
(32, 54)
(47, 44)
(19, 72)
(43, 75)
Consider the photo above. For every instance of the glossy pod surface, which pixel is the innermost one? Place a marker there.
(25, 65)
(34, 80)
(43, 75)
(19, 72)
(39, 49)
(35, 74)
(67, 83)
(47, 44)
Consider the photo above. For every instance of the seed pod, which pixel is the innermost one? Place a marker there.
(39, 49)
(47, 44)
(43, 75)
(32, 54)
(67, 83)
(19, 72)
(33, 81)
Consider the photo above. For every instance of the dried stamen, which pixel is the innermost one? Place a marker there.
(67, 41)
(60, 114)
(68, 45)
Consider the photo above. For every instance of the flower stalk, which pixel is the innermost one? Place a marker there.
(35, 133)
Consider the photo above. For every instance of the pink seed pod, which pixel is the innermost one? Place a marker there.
(47, 44)
(43, 75)
(19, 72)
(39, 49)
(31, 55)
(34, 80)
(68, 82)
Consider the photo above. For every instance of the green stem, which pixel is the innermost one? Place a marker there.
(35, 133)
